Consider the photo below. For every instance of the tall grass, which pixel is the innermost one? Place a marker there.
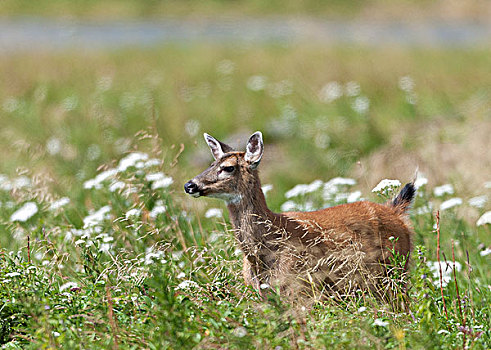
(130, 267)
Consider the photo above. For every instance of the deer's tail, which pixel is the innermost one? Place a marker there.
(405, 198)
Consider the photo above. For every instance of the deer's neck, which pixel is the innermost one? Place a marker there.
(254, 223)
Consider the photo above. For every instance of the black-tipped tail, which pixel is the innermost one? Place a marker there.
(405, 198)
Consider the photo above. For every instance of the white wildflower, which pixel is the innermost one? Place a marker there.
(107, 239)
(70, 103)
(288, 206)
(380, 322)
(159, 208)
(159, 180)
(154, 177)
(240, 332)
(10, 105)
(361, 309)
(105, 247)
(104, 83)
(264, 286)
(21, 182)
(386, 184)
(131, 159)
(478, 202)
(214, 213)
(192, 127)
(213, 237)
(452, 202)
(266, 188)
(139, 165)
(406, 84)
(79, 232)
(330, 92)
(352, 88)
(341, 181)
(97, 217)
(24, 213)
(162, 183)
(411, 98)
(177, 255)
(225, 67)
(256, 83)
(150, 256)
(187, 284)
(116, 185)
(105, 175)
(5, 183)
(354, 196)
(485, 252)
(484, 219)
(298, 190)
(92, 184)
(152, 162)
(79, 242)
(443, 331)
(332, 186)
(68, 285)
(93, 152)
(133, 213)
(341, 197)
(425, 209)
(122, 145)
(12, 274)
(59, 203)
(302, 189)
(322, 140)
(361, 105)
(446, 267)
(420, 181)
(99, 179)
(443, 189)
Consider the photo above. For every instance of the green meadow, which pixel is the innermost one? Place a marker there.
(100, 247)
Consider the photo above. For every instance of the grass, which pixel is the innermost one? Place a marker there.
(91, 105)
(165, 275)
(124, 9)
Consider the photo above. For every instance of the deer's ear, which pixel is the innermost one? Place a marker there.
(218, 149)
(254, 150)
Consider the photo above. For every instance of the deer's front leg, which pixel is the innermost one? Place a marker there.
(254, 274)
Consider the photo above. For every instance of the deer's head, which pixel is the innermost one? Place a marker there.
(232, 172)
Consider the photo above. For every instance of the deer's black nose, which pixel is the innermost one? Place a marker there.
(191, 188)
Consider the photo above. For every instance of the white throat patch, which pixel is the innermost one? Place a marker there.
(229, 198)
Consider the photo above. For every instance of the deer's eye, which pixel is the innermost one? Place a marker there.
(228, 169)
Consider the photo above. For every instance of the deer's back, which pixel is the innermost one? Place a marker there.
(368, 224)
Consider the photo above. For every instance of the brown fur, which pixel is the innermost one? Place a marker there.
(335, 250)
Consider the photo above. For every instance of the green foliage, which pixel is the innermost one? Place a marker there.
(132, 276)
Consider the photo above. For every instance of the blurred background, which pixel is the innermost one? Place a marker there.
(365, 89)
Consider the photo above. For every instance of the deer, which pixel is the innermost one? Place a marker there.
(335, 251)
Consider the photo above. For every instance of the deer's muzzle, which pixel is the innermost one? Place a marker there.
(192, 189)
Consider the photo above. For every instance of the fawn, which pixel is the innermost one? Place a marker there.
(333, 251)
